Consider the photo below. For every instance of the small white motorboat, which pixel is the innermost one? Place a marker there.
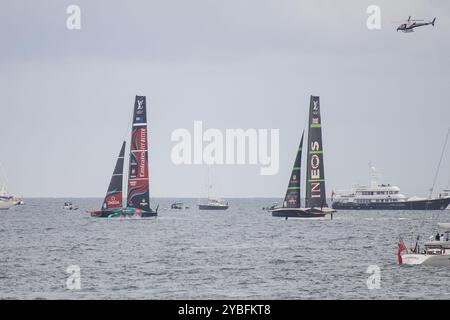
(177, 206)
(69, 206)
(272, 207)
(19, 202)
(436, 252)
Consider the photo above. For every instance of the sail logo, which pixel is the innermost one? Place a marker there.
(140, 110)
(292, 200)
(112, 201)
(143, 139)
(142, 166)
(235, 146)
(315, 105)
(315, 109)
(132, 183)
(315, 170)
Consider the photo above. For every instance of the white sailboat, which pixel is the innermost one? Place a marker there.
(6, 201)
(213, 203)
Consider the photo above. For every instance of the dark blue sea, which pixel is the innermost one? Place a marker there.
(241, 253)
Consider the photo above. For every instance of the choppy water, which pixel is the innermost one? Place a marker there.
(242, 253)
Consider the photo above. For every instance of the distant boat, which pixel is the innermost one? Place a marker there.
(271, 207)
(214, 204)
(436, 251)
(6, 200)
(69, 206)
(315, 200)
(138, 198)
(388, 197)
(176, 206)
(385, 197)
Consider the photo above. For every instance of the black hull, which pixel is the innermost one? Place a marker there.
(429, 204)
(123, 214)
(296, 213)
(149, 214)
(211, 207)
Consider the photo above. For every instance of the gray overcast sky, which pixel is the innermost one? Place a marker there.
(66, 96)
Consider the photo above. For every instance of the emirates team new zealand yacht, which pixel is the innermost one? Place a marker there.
(315, 200)
(385, 197)
(138, 198)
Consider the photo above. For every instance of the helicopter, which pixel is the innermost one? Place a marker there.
(409, 25)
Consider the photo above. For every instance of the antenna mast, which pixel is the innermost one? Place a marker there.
(439, 164)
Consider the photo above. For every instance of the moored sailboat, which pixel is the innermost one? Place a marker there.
(213, 203)
(315, 200)
(138, 197)
(6, 200)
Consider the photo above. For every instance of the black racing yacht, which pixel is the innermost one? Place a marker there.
(315, 200)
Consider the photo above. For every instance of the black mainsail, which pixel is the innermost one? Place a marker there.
(293, 193)
(138, 182)
(315, 175)
(113, 198)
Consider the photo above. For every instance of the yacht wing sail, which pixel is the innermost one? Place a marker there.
(113, 198)
(138, 182)
(315, 175)
(293, 193)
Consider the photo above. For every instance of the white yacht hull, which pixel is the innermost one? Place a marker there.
(4, 205)
(426, 259)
